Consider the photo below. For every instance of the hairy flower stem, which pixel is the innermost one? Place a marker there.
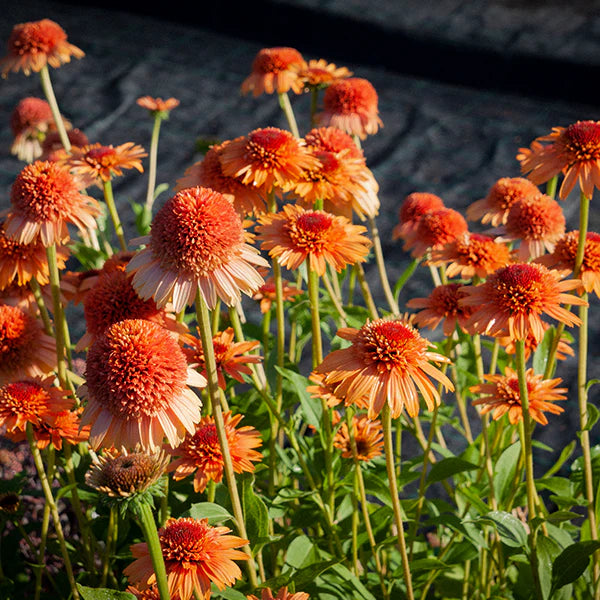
(39, 572)
(152, 164)
(525, 434)
(203, 318)
(51, 98)
(47, 489)
(391, 473)
(286, 107)
(366, 292)
(39, 299)
(114, 215)
(148, 525)
(110, 537)
(380, 261)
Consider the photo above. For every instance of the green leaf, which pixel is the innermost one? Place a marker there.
(592, 416)
(590, 383)
(540, 355)
(511, 531)
(359, 591)
(547, 550)
(255, 510)
(448, 467)
(572, 562)
(504, 471)
(227, 593)
(562, 459)
(209, 510)
(88, 593)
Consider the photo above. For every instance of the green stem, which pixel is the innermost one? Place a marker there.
(110, 535)
(525, 434)
(152, 164)
(114, 215)
(39, 299)
(551, 187)
(391, 473)
(203, 318)
(44, 534)
(380, 261)
(47, 489)
(366, 292)
(59, 315)
(148, 525)
(286, 107)
(51, 98)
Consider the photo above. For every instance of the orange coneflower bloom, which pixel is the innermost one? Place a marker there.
(20, 263)
(266, 294)
(471, 255)
(387, 361)
(270, 159)
(351, 105)
(136, 386)
(273, 71)
(502, 195)
(64, 425)
(113, 298)
(363, 188)
(31, 120)
(95, 163)
(335, 181)
(209, 173)
(30, 401)
(35, 44)
(282, 594)
(200, 452)
(196, 245)
(563, 259)
(411, 210)
(512, 300)
(52, 146)
(442, 305)
(25, 350)
(435, 229)
(158, 105)
(502, 396)
(45, 198)
(329, 392)
(295, 234)
(195, 555)
(572, 150)
(319, 73)
(230, 356)
(537, 221)
(368, 436)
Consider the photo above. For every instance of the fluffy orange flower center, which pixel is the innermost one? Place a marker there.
(390, 345)
(186, 541)
(18, 336)
(26, 399)
(417, 204)
(135, 369)
(332, 139)
(30, 112)
(535, 218)
(266, 146)
(444, 300)
(582, 141)
(440, 227)
(350, 96)
(39, 37)
(519, 288)
(204, 444)
(196, 232)
(13, 252)
(565, 251)
(309, 230)
(43, 191)
(114, 299)
(508, 190)
(274, 60)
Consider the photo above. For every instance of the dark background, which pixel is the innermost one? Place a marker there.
(462, 85)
